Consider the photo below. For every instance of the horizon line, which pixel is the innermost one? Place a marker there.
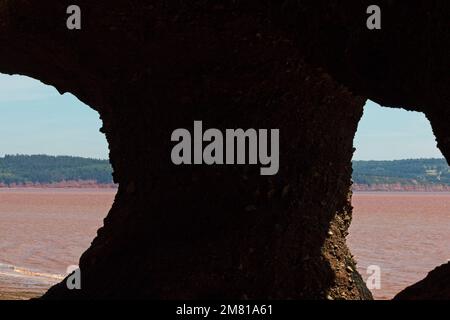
(94, 158)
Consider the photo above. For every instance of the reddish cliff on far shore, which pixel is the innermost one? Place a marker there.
(88, 184)
(397, 187)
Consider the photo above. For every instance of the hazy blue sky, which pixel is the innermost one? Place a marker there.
(388, 134)
(36, 119)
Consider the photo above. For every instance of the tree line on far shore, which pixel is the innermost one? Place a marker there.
(44, 169)
(404, 172)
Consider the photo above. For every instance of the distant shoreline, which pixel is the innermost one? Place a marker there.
(397, 187)
(400, 192)
(62, 185)
(356, 188)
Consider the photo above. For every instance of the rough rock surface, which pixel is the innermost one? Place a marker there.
(435, 286)
(149, 67)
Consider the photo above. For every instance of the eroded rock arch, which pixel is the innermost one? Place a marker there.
(149, 67)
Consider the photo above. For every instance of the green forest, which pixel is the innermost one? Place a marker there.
(413, 171)
(19, 169)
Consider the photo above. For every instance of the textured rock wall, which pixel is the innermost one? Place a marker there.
(433, 287)
(150, 67)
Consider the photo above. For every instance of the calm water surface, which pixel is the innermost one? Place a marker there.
(405, 234)
(43, 231)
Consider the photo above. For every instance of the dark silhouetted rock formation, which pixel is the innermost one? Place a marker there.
(434, 287)
(307, 68)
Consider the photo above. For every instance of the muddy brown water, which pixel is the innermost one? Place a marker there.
(43, 231)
